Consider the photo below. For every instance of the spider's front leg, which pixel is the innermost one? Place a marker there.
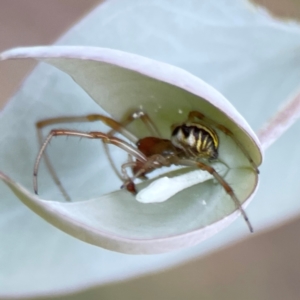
(89, 135)
(116, 127)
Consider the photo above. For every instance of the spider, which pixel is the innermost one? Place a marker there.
(194, 143)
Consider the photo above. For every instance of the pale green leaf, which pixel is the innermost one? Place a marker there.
(123, 83)
(245, 54)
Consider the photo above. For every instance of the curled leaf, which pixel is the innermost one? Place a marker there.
(123, 83)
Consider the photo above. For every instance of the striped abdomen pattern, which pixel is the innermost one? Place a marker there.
(201, 140)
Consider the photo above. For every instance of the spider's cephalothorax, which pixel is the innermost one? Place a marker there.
(196, 140)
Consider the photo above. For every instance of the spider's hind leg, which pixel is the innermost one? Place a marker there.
(228, 189)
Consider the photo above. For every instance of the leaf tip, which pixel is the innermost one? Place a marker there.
(20, 52)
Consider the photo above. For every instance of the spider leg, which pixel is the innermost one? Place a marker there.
(128, 182)
(222, 182)
(145, 118)
(136, 115)
(207, 121)
(153, 162)
(117, 127)
(51, 169)
(91, 135)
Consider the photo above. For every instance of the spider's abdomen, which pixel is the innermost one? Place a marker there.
(196, 139)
